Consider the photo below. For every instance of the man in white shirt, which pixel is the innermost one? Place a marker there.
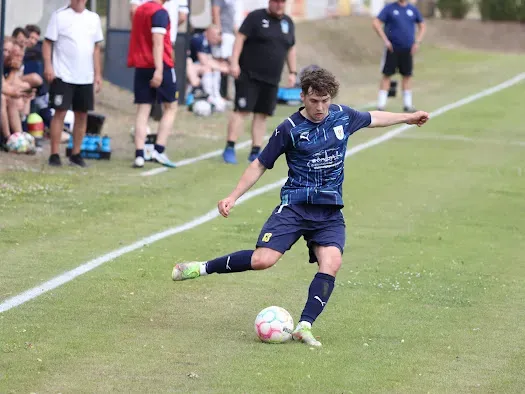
(177, 9)
(73, 71)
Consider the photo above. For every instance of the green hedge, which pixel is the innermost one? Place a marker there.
(454, 9)
(502, 10)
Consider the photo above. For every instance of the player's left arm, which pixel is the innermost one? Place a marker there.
(385, 119)
(97, 57)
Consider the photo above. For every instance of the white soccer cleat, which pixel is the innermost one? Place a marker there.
(162, 158)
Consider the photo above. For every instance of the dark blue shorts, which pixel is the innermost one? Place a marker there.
(165, 93)
(319, 224)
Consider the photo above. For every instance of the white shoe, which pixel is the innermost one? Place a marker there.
(139, 162)
(161, 158)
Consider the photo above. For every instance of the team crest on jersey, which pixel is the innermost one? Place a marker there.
(285, 27)
(339, 132)
(396, 12)
(410, 13)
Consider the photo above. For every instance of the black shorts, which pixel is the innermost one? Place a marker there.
(165, 93)
(65, 96)
(255, 96)
(401, 60)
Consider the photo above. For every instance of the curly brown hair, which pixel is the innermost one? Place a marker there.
(319, 81)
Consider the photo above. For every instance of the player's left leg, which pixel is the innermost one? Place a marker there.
(264, 107)
(167, 94)
(329, 258)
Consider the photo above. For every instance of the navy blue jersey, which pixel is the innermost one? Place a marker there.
(400, 24)
(315, 154)
(199, 44)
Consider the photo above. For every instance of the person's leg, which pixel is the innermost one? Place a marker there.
(83, 102)
(405, 69)
(167, 94)
(279, 233)
(13, 114)
(264, 107)
(144, 97)
(388, 69)
(326, 244)
(60, 99)
(6, 132)
(246, 92)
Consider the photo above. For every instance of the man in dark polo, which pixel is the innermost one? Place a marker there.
(265, 40)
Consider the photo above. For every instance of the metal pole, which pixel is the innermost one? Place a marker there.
(2, 36)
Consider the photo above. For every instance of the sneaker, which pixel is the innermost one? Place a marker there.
(409, 109)
(77, 160)
(54, 160)
(252, 156)
(303, 333)
(229, 155)
(380, 109)
(185, 271)
(161, 158)
(139, 162)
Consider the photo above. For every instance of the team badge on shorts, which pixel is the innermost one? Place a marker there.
(58, 100)
(339, 132)
(241, 102)
(266, 237)
(285, 27)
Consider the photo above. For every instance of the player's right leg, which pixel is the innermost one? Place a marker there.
(60, 99)
(282, 229)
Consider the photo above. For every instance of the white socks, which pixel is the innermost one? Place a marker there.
(382, 98)
(407, 98)
(207, 83)
(203, 269)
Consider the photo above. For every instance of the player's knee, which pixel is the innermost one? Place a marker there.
(331, 265)
(262, 261)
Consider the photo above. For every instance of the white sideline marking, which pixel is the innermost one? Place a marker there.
(92, 264)
(215, 153)
(461, 138)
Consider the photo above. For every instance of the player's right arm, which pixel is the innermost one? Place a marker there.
(377, 24)
(277, 145)
(246, 30)
(249, 178)
(159, 28)
(47, 48)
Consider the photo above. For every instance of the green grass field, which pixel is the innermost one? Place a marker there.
(430, 297)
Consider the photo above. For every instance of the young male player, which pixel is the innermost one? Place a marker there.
(151, 54)
(314, 141)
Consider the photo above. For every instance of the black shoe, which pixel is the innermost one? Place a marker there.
(54, 160)
(77, 160)
(380, 109)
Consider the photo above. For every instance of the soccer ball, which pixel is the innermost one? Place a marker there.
(202, 108)
(274, 325)
(21, 143)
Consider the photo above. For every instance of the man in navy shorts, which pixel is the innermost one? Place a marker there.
(314, 142)
(151, 54)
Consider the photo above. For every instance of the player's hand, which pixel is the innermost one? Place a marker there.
(225, 206)
(98, 83)
(415, 48)
(49, 74)
(389, 46)
(156, 81)
(418, 118)
(235, 70)
(292, 80)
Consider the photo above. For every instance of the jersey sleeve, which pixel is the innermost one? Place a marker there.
(419, 17)
(277, 145)
(135, 2)
(357, 119)
(383, 15)
(52, 28)
(160, 22)
(248, 25)
(99, 35)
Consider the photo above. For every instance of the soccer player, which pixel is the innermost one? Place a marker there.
(151, 53)
(265, 40)
(314, 142)
(401, 44)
